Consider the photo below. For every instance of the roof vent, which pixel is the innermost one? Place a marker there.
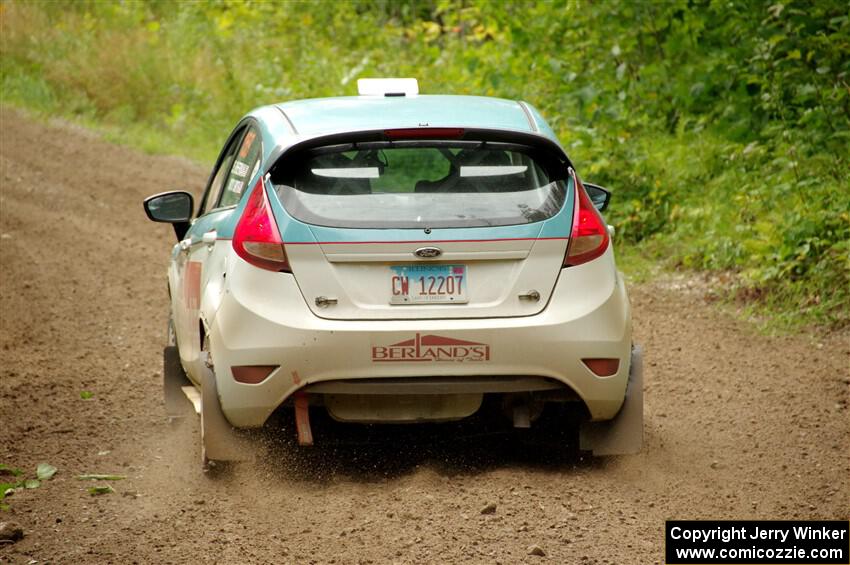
(387, 87)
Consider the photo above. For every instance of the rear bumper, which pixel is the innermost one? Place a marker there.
(271, 325)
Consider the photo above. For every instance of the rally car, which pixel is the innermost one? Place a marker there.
(394, 257)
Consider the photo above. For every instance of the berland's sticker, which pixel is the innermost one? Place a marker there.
(240, 169)
(431, 349)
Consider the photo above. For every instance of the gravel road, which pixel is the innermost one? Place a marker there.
(738, 425)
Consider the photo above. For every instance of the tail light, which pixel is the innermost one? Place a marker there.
(603, 367)
(252, 374)
(589, 238)
(424, 133)
(257, 239)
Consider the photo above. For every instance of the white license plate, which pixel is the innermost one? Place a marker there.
(428, 284)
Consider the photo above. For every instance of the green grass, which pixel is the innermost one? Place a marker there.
(41, 100)
(637, 267)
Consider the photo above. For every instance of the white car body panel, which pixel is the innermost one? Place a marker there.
(358, 276)
(196, 297)
(264, 320)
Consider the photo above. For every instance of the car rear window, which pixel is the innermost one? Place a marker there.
(418, 184)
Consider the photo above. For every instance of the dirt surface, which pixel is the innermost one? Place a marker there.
(738, 425)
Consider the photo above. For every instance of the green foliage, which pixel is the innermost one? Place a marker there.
(722, 127)
(100, 477)
(96, 491)
(11, 482)
(6, 470)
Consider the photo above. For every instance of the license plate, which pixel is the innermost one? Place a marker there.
(428, 284)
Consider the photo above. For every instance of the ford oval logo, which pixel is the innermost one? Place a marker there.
(428, 252)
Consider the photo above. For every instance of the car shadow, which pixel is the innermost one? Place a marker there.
(376, 453)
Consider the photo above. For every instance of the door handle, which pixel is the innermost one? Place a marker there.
(210, 237)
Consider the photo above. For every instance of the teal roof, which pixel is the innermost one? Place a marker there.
(328, 115)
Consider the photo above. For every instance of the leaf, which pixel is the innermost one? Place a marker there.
(96, 491)
(45, 471)
(778, 38)
(776, 9)
(6, 470)
(32, 483)
(86, 394)
(99, 477)
(7, 489)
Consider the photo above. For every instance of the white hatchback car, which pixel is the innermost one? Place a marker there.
(393, 257)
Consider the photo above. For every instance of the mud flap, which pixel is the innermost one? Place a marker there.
(219, 440)
(173, 381)
(623, 435)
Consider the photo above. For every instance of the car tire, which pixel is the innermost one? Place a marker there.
(173, 378)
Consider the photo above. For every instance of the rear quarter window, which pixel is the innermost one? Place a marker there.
(245, 165)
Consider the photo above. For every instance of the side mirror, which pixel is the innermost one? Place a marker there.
(172, 208)
(598, 195)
